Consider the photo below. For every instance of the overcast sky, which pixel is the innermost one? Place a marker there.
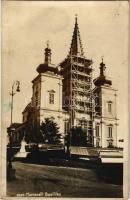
(28, 25)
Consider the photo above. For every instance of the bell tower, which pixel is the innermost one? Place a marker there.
(76, 70)
(105, 134)
(47, 92)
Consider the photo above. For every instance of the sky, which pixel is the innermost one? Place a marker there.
(26, 27)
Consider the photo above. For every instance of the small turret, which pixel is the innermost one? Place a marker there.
(47, 66)
(102, 68)
(102, 79)
(47, 54)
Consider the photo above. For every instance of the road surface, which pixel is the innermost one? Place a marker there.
(48, 181)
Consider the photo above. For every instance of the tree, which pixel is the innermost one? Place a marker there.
(50, 132)
(76, 137)
(29, 133)
(32, 134)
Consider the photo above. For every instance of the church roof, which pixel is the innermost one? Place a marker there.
(76, 44)
(44, 67)
(47, 66)
(76, 50)
(29, 105)
(102, 79)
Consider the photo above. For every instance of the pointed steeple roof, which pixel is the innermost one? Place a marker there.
(76, 44)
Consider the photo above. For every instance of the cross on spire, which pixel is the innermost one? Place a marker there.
(76, 44)
(47, 43)
(76, 16)
(102, 57)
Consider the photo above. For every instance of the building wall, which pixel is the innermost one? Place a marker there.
(108, 96)
(25, 116)
(107, 118)
(47, 83)
(105, 134)
(97, 139)
(36, 95)
(51, 83)
(58, 116)
(43, 85)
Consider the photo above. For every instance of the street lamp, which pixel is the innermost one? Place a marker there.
(17, 89)
(10, 130)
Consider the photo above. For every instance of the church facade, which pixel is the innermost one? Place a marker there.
(68, 95)
(46, 101)
(106, 121)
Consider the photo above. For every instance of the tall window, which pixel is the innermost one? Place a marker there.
(51, 98)
(97, 143)
(109, 107)
(110, 131)
(97, 130)
(110, 143)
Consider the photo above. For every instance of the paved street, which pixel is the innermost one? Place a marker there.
(43, 180)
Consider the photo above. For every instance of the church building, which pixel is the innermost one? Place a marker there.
(68, 95)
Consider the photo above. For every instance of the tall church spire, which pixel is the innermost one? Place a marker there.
(76, 45)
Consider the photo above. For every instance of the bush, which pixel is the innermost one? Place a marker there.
(50, 132)
(76, 137)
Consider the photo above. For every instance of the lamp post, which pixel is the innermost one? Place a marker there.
(17, 85)
(10, 170)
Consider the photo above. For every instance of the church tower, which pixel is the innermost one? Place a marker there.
(105, 134)
(47, 93)
(76, 70)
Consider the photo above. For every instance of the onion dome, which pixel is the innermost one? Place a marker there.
(47, 66)
(102, 79)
